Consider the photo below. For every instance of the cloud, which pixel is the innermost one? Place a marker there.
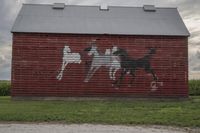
(194, 58)
(5, 61)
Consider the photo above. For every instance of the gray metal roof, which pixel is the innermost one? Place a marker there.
(90, 20)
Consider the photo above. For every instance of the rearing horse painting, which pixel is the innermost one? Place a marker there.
(129, 64)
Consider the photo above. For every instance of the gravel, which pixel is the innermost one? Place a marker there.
(88, 128)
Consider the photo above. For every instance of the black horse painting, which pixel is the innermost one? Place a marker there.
(130, 65)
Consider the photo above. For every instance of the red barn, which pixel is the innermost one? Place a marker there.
(90, 51)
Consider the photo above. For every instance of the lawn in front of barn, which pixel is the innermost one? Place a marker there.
(185, 113)
(174, 113)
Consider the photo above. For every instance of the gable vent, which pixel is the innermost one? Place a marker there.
(104, 7)
(149, 8)
(58, 6)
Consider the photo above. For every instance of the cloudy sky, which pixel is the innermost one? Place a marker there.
(189, 10)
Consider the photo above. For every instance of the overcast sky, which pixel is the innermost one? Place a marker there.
(189, 10)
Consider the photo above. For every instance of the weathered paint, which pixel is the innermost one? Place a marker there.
(38, 59)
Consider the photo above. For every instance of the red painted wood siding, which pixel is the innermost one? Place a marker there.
(37, 59)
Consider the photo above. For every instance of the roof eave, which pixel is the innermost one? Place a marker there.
(184, 35)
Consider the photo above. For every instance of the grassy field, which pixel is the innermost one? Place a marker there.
(175, 113)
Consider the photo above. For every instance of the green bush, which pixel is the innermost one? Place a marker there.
(194, 87)
(5, 88)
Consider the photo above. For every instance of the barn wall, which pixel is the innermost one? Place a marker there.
(37, 61)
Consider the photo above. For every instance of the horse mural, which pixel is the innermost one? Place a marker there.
(68, 57)
(98, 60)
(114, 59)
(130, 65)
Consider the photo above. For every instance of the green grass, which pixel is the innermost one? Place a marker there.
(175, 113)
(180, 113)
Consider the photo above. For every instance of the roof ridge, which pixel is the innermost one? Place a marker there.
(112, 6)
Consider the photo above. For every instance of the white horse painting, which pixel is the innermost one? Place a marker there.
(108, 60)
(68, 57)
